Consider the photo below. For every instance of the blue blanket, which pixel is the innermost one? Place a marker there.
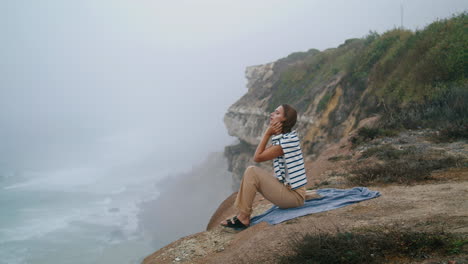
(331, 199)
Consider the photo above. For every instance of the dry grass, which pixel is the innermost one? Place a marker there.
(372, 245)
(404, 170)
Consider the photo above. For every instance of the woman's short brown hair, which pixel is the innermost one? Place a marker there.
(291, 117)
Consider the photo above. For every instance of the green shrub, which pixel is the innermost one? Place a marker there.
(300, 74)
(387, 151)
(340, 157)
(415, 79)
(407, 170)
(323, 102)
(451, 133)
(374, 245)
(449, 109)
(365, 134)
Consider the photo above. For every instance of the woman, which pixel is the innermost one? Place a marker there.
(285, 185)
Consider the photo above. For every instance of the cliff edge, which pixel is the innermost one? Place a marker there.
(435, 202)
(388, 111)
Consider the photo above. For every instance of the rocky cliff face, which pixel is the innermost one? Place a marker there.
(330, 113)
(337, 92)
(405, 77)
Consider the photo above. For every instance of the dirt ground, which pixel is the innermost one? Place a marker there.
(430, 205)
(438, 204)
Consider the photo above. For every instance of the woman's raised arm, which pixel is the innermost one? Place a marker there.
(262, 154)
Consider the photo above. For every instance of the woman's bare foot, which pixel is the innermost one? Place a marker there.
(244, 218)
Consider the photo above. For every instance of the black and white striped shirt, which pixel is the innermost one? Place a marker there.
(293, 173)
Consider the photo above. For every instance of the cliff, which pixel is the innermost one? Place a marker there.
(406, 77)
(435, 201)
(386, 111)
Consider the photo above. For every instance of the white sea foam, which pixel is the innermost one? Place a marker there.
(13, 255)
(39, 224)
(66, 179)
(96, 210)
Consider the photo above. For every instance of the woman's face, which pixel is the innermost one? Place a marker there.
(277, 115)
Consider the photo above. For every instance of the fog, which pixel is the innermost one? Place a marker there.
(88, 83)
(98, 95)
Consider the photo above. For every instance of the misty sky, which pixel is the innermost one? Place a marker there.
(140, 82)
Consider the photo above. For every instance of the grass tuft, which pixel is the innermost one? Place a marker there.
(387, 152)
(365, 134)
(451, 133)
(405, 170)
(340, 157)
(373, 245)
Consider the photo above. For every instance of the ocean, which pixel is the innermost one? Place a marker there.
(81, 215)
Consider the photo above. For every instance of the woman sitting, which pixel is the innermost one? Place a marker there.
(285, 185)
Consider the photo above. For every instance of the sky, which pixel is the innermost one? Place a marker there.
(145, 83)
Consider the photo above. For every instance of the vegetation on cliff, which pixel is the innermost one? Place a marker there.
(379, 244)
(415, 79)
(411, 152)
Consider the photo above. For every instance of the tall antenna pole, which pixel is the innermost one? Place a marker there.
(401, 15)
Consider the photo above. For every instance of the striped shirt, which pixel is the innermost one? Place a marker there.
(293, 173)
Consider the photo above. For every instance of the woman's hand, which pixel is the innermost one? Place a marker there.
(262, 154)
(274, 128)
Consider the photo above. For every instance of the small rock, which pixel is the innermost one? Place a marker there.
(220, 249)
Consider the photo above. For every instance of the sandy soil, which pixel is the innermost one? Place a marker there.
(438, 204)
(434, 204)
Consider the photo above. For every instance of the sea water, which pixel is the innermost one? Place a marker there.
(82, 215)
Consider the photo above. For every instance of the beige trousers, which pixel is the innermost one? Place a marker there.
(261, 180)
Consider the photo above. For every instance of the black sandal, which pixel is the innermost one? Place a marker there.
(235, 223)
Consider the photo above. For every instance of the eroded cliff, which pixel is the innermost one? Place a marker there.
(327, 108)
(363, 112)
(410, 79)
